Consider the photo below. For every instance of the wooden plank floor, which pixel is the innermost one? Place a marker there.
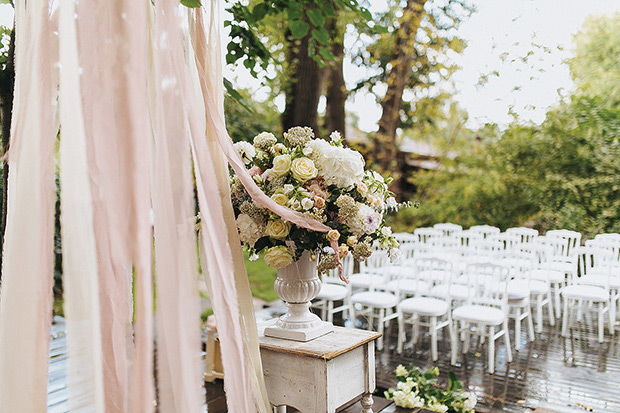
(552, 374)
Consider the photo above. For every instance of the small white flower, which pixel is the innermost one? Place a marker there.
(328, 250)
(395, 255)
(294, 204)
(307, 150)
(253, 257)
(391, 202)
(287, 188)
(386, 231)
(246, 150)
(335, 136)
(307, 203)
(401, 370)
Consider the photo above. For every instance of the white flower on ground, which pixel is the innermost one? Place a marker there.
(471, 401)
(249, 230)
(246, 150)
(401, 370)
(436, 407)
(253, 257)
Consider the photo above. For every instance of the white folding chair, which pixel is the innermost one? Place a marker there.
(333, 290)
(448, 229)
(371, 270)
(436, 309)
(519, 290)
(596, 262)
(487, 309)
(526, 234)
(375, 305)
(485, 230)
(541, 282)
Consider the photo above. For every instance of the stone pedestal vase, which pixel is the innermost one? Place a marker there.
(297, 285)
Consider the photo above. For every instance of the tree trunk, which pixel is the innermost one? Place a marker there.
(336, 89)
(385, 145)
(7, 85)
(304, 89)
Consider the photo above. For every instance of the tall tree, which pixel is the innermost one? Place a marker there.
(397, 80)
(336, 88)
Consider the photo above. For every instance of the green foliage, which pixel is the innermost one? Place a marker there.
(300, 16)
(191, 3)
(562, 174)
(246, 118)
(595, 67)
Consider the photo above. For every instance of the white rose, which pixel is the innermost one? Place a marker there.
(303, 169)
(249, 230)
(281, 164)
(278, 257)
(278, 229)
(246, 150)
(307, 203)
(294, 204)
(280, 199)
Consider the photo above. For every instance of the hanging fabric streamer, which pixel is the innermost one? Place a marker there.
(27, 276)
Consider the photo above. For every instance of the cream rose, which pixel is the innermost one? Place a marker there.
(278, 229)
(278, 257)
(280, 199)
(303, 169)
(333, 235)
(281, 164)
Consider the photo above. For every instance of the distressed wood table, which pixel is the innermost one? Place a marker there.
(320, 375)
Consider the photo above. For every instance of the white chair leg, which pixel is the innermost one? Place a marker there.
(530, 325)
(330, 311)
(612, 319)
(565, 319)
(381, 328)
(517, 329)
(507, 342)
(491, 349)
(551, 310)
(539, 313)
(454, 341)
(352, 314)
(467, 332)
(601, 322)
(433, 328)
(401, 332)
(556, 296)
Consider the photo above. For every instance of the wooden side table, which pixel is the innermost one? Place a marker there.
(321, 375)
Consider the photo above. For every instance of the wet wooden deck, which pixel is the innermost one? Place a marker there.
(550, 374)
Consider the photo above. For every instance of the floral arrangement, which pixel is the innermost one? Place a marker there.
(321, 179)
(418, 389)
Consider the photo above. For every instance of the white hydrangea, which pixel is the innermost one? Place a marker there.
(249, 230)
(408, 400)
(471, 401)
(246, 150)
(339, 166)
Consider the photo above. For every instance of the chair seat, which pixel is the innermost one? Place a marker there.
(363, 280)
(517, 290)
(601, 280)
(554, 276)
(480, 314)
(407, 285)
(424, 306)
(456, 291)
(585, 292)
(332, 292)
(375, 299)
(564, 266)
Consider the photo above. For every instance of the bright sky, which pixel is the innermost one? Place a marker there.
(497, 27)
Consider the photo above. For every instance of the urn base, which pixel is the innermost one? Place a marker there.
(296, 333)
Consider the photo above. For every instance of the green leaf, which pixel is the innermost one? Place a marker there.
(325, 53)
(299, 29)
(230, 89)
(321, 35)
(316, 17)
(192, 4)
(259, 11)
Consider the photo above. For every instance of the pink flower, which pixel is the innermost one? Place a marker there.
(255, 170)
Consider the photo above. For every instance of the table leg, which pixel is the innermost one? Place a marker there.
(367, 403)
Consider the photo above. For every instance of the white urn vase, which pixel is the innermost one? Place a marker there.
(297, 285)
